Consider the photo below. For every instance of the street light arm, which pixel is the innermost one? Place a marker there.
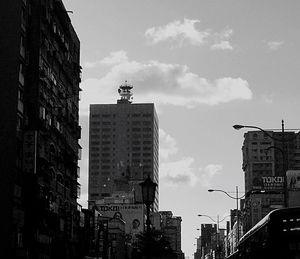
(201, 215)
(224, 218)
(213, 190)
(268, 148)
(237, 127)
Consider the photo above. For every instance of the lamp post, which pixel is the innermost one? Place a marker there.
(237, 198)
(148, 193)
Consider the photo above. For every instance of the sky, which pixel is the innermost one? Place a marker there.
(207, 65)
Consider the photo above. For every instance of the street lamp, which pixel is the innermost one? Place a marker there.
(237, 198)
(148, 193)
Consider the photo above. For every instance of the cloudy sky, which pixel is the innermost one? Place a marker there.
(207, 65)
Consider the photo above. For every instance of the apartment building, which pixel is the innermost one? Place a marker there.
(40, 76)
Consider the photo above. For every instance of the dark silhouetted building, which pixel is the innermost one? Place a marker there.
(265, 163)
(123, 147)
(39, 130)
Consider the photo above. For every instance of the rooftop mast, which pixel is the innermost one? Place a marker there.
(125, 93)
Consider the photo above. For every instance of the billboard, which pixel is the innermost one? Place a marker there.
(132, 214)
(268, 183)
(293, 180)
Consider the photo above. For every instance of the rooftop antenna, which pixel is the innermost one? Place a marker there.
(125, 91)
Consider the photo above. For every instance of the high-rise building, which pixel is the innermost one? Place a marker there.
(123, 146)
(39, 130)
(266, 158)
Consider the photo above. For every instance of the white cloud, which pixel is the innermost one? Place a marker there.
(186, 31)
(169, 84)
(116, 57)
(113, 59)
(223, 45)
(274, 45)
(178, 30)
(222, 40)
(268, 99)
(178, 172)
(167, 145)
(182, 172)
(208, 173)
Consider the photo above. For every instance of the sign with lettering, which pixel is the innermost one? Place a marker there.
(273, 182)
(268, 183)
(132, 214)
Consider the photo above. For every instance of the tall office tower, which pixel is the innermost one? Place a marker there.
(265, 162)
(123, 146)
(39, 131)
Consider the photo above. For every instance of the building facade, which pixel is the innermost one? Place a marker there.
(171, 229)
(40, 76)
(208, 240)
(267, 156)
(123, 147)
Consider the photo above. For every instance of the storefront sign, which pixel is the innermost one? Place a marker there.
(273, 182)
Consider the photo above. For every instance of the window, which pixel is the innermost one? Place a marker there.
(20, 100)
(105, 161)
(94, 161)
(22, 47)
